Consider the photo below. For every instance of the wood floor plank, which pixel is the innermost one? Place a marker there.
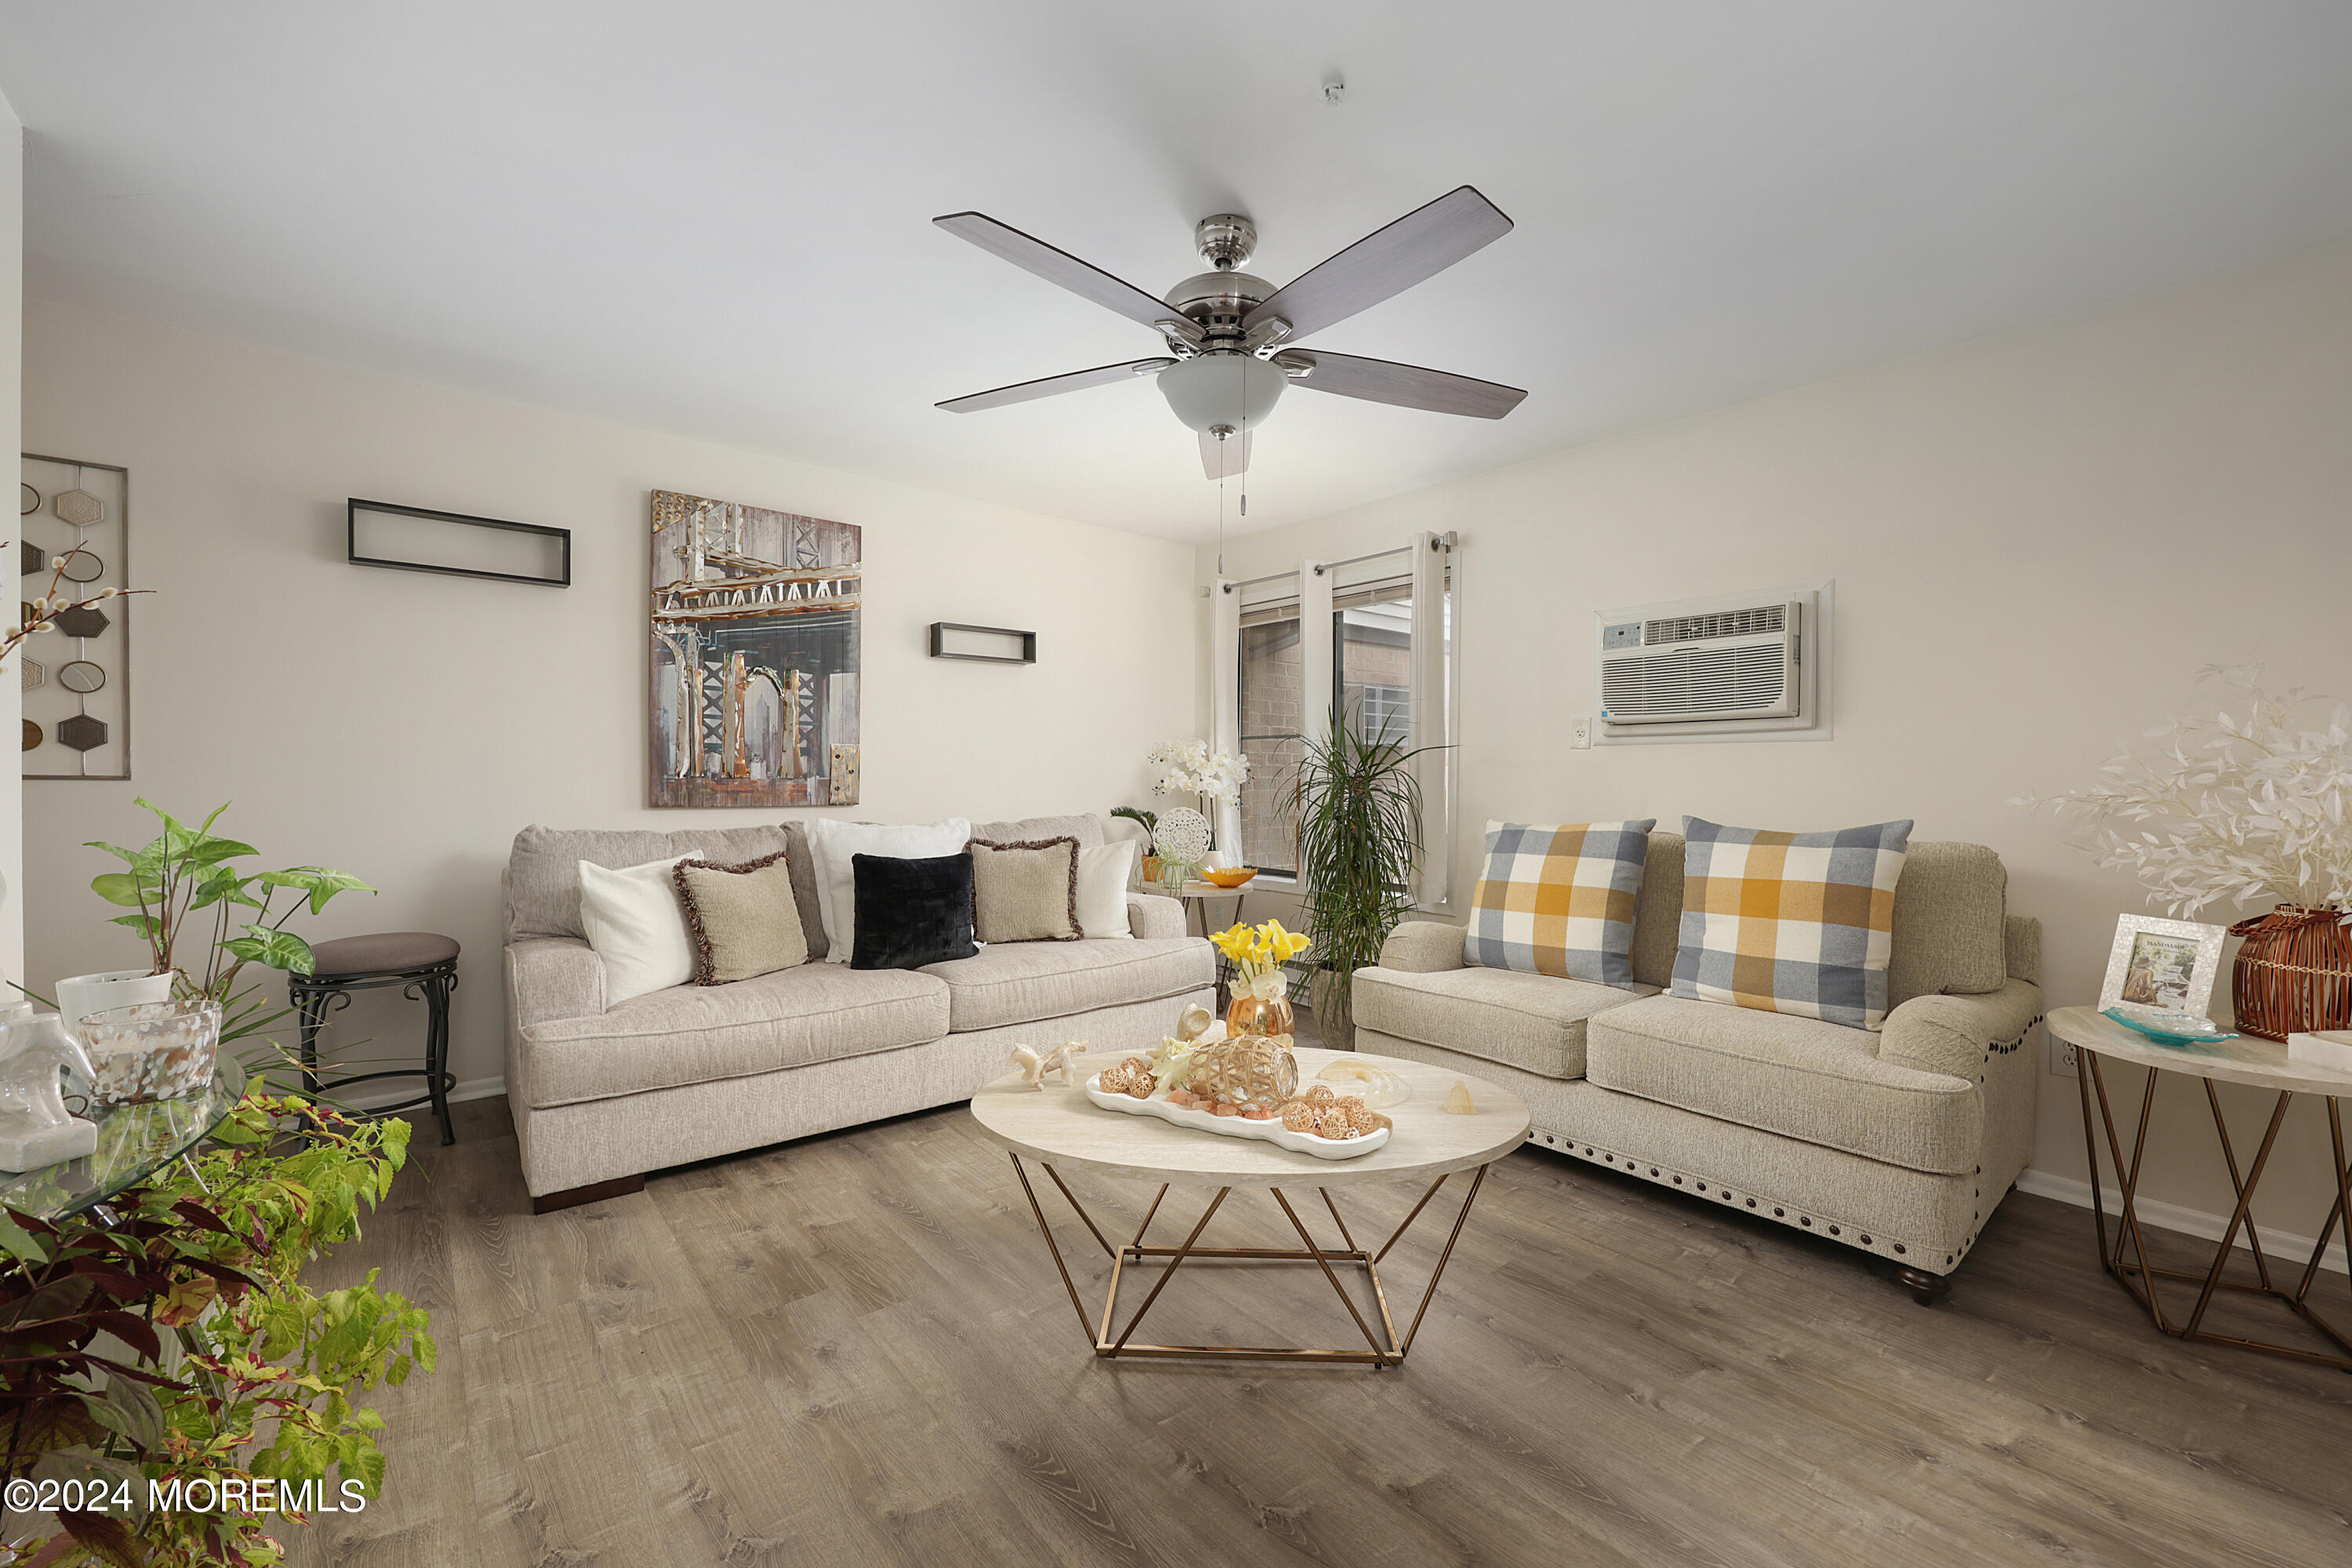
(854, 1349)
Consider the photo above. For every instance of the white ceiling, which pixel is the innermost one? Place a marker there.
(712, 217)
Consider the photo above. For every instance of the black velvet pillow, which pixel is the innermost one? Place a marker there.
(911, 912)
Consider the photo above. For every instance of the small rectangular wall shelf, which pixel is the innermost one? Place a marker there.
(411, 539)
(987, 645)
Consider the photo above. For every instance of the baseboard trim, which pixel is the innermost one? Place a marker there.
(2277, 1245)
(393, 1093)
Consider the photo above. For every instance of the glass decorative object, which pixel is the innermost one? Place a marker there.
(156, 1050)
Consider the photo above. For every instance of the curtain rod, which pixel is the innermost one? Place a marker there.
(1442, 541)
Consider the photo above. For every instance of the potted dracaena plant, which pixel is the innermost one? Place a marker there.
(1358, 804)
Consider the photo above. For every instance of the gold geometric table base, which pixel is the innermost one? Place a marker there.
(2139, 1276)
(1382, 1349)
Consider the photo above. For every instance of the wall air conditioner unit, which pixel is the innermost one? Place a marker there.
(1717, 668)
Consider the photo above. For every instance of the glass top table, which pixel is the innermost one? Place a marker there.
(134, 1141)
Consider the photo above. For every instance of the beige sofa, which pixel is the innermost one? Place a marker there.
(1899, 1143)
(602, 1095)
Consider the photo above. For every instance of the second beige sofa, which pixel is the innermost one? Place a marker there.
(1899, 1143)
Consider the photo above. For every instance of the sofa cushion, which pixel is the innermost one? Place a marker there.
(1791, 922)
(1950, 923)
(1528, 1020)
(912, 910)
(1558, 900)
(1030, 982)
(542, 875)
(1024, 890)
(743, 919)
(1818, 1083)
(1658, 912)
(1087, 828)
(695, 1034)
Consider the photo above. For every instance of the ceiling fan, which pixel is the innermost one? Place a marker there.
(1232, 337)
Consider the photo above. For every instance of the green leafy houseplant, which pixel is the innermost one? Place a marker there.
(218, 1364)
(186, 893)
(1357, 803)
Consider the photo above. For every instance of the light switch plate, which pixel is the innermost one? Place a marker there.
(1580, 734)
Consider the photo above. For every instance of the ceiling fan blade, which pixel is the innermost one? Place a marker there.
(1406, 385)
(1056, 266)
(1224, 460)
(1418, 246)
(1053, 385)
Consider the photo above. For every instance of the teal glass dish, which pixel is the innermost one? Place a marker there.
(2171, 1029)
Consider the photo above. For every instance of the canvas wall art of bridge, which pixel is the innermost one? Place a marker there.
(755, 649)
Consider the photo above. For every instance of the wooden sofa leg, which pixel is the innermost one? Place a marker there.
(572, 1197)
(1925, 1288)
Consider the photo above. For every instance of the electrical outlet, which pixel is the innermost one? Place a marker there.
(1580, 734)
(2061, 1057)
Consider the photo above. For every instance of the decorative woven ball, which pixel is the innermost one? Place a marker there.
(1320, 1094)
(1182, 835)
(1251, 1072)
(1301, 1116)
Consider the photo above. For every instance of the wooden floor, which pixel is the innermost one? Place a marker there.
(853, 1350)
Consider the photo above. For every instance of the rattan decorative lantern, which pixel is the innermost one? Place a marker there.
(2294, 973)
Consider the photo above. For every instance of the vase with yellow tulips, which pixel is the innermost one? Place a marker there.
(1261, 1004)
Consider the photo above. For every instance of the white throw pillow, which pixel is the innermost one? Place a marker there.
(635, 924)
(1102, 890)
(832, 844)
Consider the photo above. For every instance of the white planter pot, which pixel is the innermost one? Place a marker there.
(85, 993)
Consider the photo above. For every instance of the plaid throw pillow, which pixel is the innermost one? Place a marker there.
(1558, 900)
(1791, 922)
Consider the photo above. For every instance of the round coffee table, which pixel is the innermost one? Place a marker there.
(2243, 1059)
(1059, 1127)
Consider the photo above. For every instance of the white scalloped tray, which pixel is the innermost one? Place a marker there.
(1237, 1126)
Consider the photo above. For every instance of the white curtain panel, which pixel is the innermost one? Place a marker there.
(1224, 695)
(1316, 582)
(1430, 699)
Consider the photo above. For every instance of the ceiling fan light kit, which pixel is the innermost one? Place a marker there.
(1228, 333)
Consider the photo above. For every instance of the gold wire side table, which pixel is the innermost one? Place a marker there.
(2245, 1060)
(1058, 1128)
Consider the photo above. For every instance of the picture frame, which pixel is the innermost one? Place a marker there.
(2160, 966)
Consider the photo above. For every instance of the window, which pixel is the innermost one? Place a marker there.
(1273, 701)
(1373, 651)
(1372, 659)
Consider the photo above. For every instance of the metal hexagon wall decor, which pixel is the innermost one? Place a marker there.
(82, 732)
(79, 507)
(82, 623)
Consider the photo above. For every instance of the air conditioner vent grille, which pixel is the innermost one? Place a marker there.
(1762, 619)
(1694, 681)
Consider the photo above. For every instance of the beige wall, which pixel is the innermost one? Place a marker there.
(2037, 540)
(11, 296)
(403, 726)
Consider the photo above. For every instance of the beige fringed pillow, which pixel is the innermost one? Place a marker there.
(1026, 892)
(743, 919)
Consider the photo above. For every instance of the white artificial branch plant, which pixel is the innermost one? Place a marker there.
(2241, 808)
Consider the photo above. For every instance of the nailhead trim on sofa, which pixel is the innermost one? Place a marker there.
(1566, 1143)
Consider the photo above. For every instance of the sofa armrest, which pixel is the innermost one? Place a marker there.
(2023, 940)
(554, 977)
(1150, 915)
(1954, 1035)
(1422, 947)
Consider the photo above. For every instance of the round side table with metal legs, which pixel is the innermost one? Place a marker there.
(424, 965)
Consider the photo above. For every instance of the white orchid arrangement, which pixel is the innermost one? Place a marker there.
(1189, 767)
(2232, 809)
